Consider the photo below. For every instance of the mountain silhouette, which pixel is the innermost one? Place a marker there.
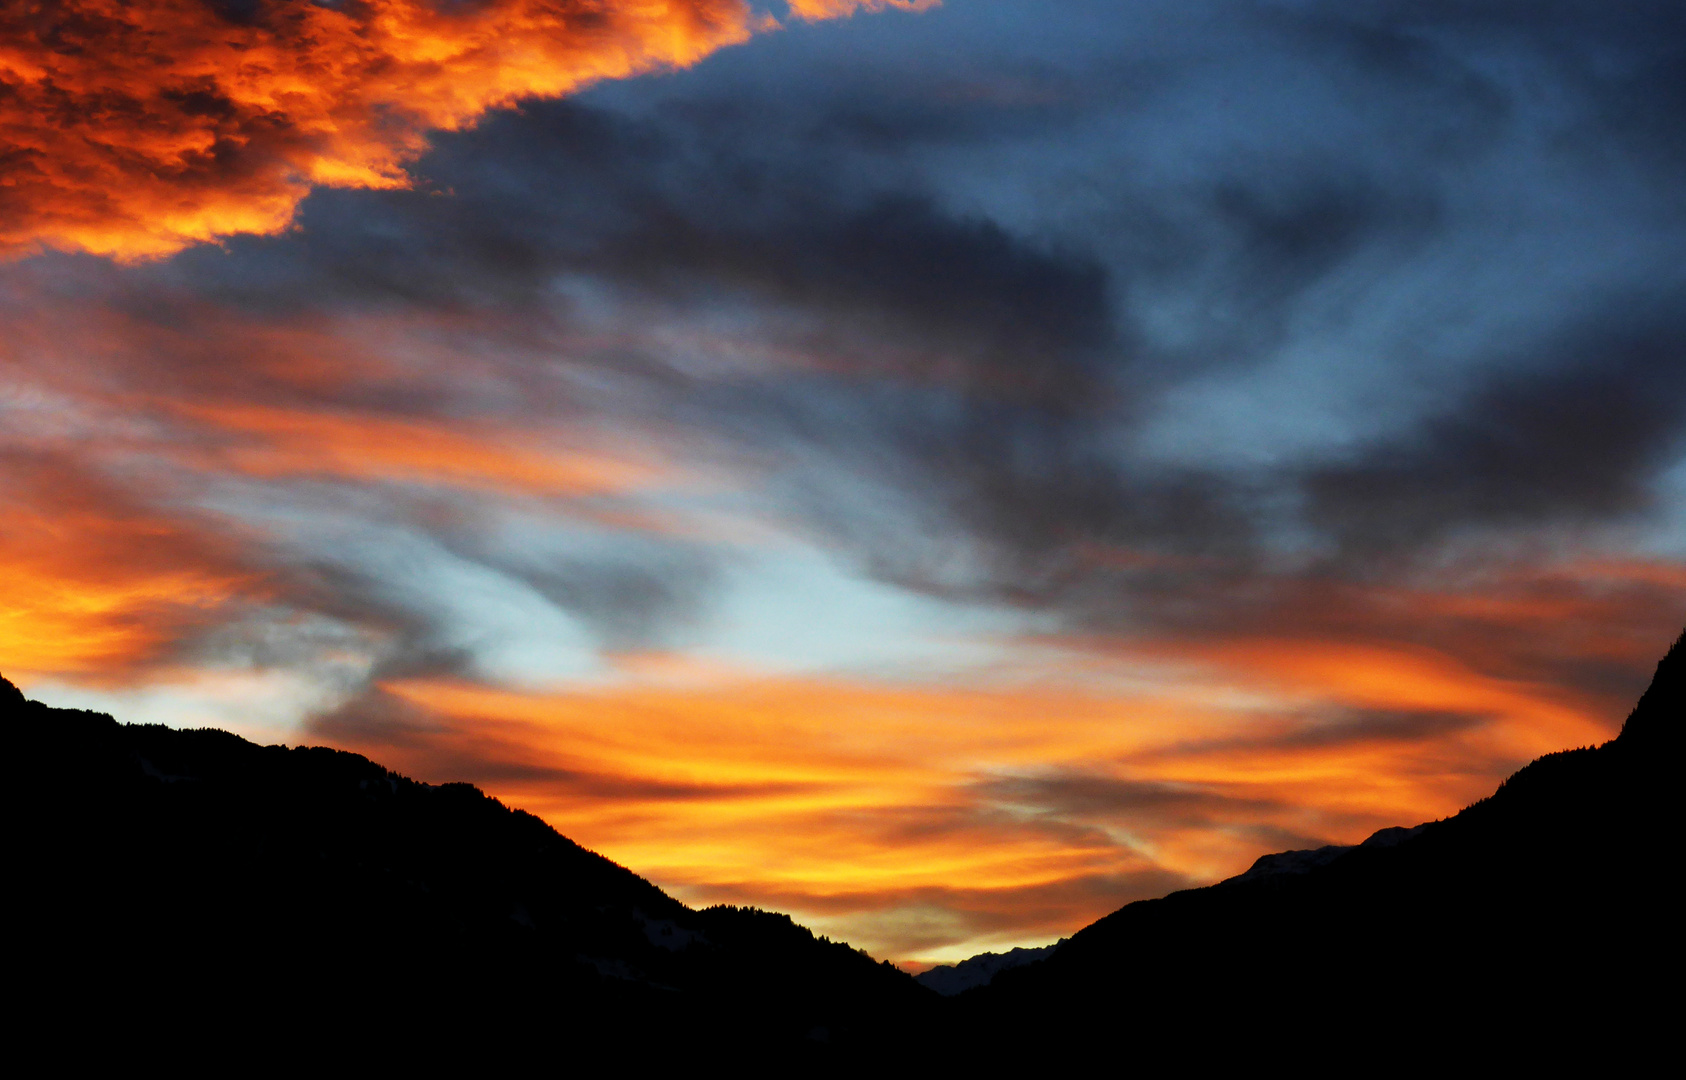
(951, 979)
(188, 888)
(1541, 923)
(194, 897)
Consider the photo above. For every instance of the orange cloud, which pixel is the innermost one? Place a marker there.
(928, 821)
(94, 586)
(282, 442)
(922, 821)
(832, 9)
(135, 128)
(825, 796)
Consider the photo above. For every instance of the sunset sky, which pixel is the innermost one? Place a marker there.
(943, 471)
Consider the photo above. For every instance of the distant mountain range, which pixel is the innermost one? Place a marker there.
(190, 895)
(980, 970)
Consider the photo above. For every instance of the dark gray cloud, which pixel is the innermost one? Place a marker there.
(1576, 431)
(1037, 337)
(1384, 275)
(634, 592)
(565, 191)
(1353, 727)
(1092, 794)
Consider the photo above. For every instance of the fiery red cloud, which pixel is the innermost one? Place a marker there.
(134, 129)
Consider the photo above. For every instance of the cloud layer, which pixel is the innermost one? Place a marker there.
(944, 474)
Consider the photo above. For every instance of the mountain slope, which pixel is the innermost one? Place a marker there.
(187, 883)
(1536, 921)
(200, 896)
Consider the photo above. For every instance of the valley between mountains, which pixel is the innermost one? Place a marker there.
(199, 895)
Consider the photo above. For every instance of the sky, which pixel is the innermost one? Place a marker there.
(940, 470)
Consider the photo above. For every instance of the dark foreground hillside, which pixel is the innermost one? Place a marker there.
(184, 896)
(1542, 923)
(185, 893)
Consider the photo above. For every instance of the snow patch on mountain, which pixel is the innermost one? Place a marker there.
(951, 979)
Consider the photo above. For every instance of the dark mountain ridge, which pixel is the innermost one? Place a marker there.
(192, 885)
(1537, 922)
(192, 890)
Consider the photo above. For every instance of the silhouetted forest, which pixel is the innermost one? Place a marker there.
(188, 894)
